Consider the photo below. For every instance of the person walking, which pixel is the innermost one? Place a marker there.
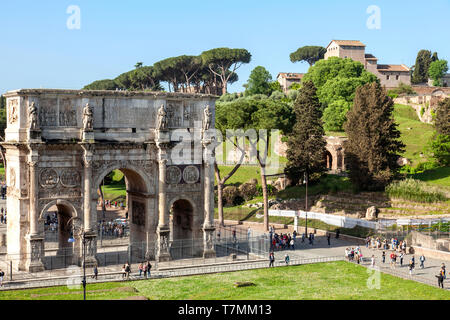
(411, 266)
(271, 259)
(287, 259)
(124, 273)
(95, 275)
(337, 233)
(141, 269)
(127, 270)
(383, 257)
(441, 278)
(422, 261)
(401, 258)
(329, 238)
(372, 262)
(292, 244)
(149, 267)
(2, 274)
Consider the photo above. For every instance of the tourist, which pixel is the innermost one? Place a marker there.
(357, 257)
(393, 257)
(95, 275)
(292, 244)
(149, 267)
(141, 269)
(401, 258)
(422, 261)
(287, 259)
(383, 257)
(443, 268)
(411, 266)
(124, 273)
(127, 270)
(303, 237)
(218, 235)
(441, 277)
(372, 262)
(234, 234)
(329, 238)
(2, 274)
(271, 259)
(337, 233)
(249, 233)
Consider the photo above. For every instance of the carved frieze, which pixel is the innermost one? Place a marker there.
(174, 113)
(12, 178)
(48, 178)
(173, 175)
(68, 118)
(70, 178)
(47, 112)
(191, 174)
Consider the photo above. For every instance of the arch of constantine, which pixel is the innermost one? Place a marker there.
(60, 144)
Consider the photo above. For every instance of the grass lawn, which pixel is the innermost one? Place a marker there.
(325, 281)
(439, 176)
(414, 134)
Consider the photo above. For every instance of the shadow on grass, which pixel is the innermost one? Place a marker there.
(442, 174)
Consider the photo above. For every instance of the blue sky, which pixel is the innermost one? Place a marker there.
(38, 50)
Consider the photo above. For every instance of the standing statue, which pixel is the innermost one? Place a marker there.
(162, 118)
(206, 118)
(33, 117)
(88, 118)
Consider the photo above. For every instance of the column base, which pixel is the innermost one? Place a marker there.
(87, 136)
(163, 253)
(209, 254)
(35, 254)
(208, 242)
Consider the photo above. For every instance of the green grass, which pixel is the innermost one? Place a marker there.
(325, 281)
(415, 138)
(439, 176)
(415, 190)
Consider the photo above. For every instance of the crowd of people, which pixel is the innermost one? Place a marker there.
(112, 229)
(393, 244)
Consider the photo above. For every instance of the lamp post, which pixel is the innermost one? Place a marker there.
(83, 252)
(306, 203)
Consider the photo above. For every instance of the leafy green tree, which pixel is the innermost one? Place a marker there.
(336, 81)
(374, 144)
(306, 144)
(223, 63)
(255, 112)
(259, 82)
(437, 70)
(440, 145)
(106, 84)
(423, 61)
(310, 54)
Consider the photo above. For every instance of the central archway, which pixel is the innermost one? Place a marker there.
(135, 219)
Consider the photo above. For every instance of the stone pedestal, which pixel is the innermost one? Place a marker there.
(91, 251)
(163, 253)
(34, 135)
(208, 236)
(35, 248)
(87, 136)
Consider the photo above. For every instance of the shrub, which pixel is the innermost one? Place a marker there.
(248, 190)
(414, 190)
(229, 195)
(271, 190)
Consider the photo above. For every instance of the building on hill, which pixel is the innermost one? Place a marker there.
(390, 75)
(445, 81)
(288, 79)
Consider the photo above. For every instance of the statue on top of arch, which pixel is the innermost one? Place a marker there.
(33, 117)
(88, 118)
(162, 118)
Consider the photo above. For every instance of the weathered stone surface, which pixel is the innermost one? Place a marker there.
(60, 144)
(372, 213)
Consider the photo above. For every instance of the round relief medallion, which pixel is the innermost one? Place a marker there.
(70, 178)
(191, 174)
(173, 175)
(48, 178)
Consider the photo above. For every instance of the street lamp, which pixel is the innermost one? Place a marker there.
(306, 202)
(83, 252)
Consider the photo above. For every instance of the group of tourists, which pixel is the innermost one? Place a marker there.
(126, 271)
(112, 229)
(145, 268)
(282, 241)
(353, 254)
(393, 244)
(111, 204)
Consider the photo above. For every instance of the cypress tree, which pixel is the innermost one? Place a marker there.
(373, 145)
(306, 144)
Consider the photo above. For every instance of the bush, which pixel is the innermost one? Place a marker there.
(441, 149)
(248, 190)
(271, 190)
(414, 190)
(229, 195)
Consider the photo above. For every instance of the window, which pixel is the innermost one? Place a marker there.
(387, 77)
(396, 77)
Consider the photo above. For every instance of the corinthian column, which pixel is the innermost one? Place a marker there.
(33, 192)
(87, 194)
(162, 195)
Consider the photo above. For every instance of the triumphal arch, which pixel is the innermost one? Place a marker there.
(60, 144)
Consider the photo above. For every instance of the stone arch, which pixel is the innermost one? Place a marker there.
(182, 211)
(59, 202)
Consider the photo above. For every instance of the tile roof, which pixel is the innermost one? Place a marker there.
(355, 43)
(291, 75)
(370, 56)
(392, 67)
